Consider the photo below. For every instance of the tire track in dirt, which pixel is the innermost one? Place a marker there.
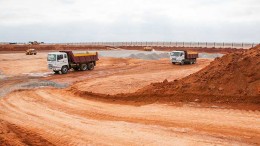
(90, 121)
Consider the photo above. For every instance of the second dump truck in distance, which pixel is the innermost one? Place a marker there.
(183, 57)
(63, 61)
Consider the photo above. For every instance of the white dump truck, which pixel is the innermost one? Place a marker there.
(65, 60)
(183, 57)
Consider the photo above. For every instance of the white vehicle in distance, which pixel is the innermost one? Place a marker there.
(183, 57)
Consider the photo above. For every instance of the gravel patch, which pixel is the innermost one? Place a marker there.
(31, 84)
(146, 55)
(44, 84)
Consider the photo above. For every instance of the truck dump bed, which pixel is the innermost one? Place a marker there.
(81, 57)
(191, 55)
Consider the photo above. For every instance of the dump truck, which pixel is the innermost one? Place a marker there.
(148, 48)
(31, 52)
(63, 61)
(183, 57)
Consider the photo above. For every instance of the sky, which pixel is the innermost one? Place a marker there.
(129, 20)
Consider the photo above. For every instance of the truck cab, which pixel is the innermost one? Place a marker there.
(58, 61)
(182, 57)
(177, 56)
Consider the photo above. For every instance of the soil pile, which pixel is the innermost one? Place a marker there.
(235, 76)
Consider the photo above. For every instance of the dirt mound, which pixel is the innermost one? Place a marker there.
(235, 76)
(233, 79)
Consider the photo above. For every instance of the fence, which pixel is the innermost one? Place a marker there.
(170, 44)
(160, 44)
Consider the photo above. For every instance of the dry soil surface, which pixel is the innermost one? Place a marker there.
(48, 116)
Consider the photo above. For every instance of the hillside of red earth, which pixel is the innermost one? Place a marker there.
(232, 79)
(8, 47)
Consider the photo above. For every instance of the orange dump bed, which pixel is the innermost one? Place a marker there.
(191, 55)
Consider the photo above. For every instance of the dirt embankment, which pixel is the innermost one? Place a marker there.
(197, 49)
(7, 48)
(234, 78)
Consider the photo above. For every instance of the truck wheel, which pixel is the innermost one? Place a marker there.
(83, 67)
(173, 62)
(182, 63)
(194, 61)
(64, 70)
(90, 66)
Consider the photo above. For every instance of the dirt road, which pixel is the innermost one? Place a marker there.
(48, 116)
(51, 116)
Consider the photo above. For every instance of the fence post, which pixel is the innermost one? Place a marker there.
(198, 44)
(183, 44)
(232, 45)
(214, 44)
(206, 44)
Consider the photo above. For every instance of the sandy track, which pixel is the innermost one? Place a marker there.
(137, 74)
(57, 117)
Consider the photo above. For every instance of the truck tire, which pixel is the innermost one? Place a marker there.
(194, 61)
(83, 67)
(64, 70)
(90, 66)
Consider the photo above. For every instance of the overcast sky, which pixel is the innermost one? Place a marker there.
(129, 20)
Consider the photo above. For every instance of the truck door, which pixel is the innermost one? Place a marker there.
(66, 59)
(182, 56)
(61, 60)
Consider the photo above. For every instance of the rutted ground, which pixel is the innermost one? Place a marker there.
(60, 118)
(50, 116)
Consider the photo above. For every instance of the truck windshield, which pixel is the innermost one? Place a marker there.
(51, 57)
(175, 53)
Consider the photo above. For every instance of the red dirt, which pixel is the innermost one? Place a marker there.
(50, 47)
(48, 116)
(8, 48)
(196, 49)
(232, 79)
(235, 76)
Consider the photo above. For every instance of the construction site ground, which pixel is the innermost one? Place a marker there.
(38, 107)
